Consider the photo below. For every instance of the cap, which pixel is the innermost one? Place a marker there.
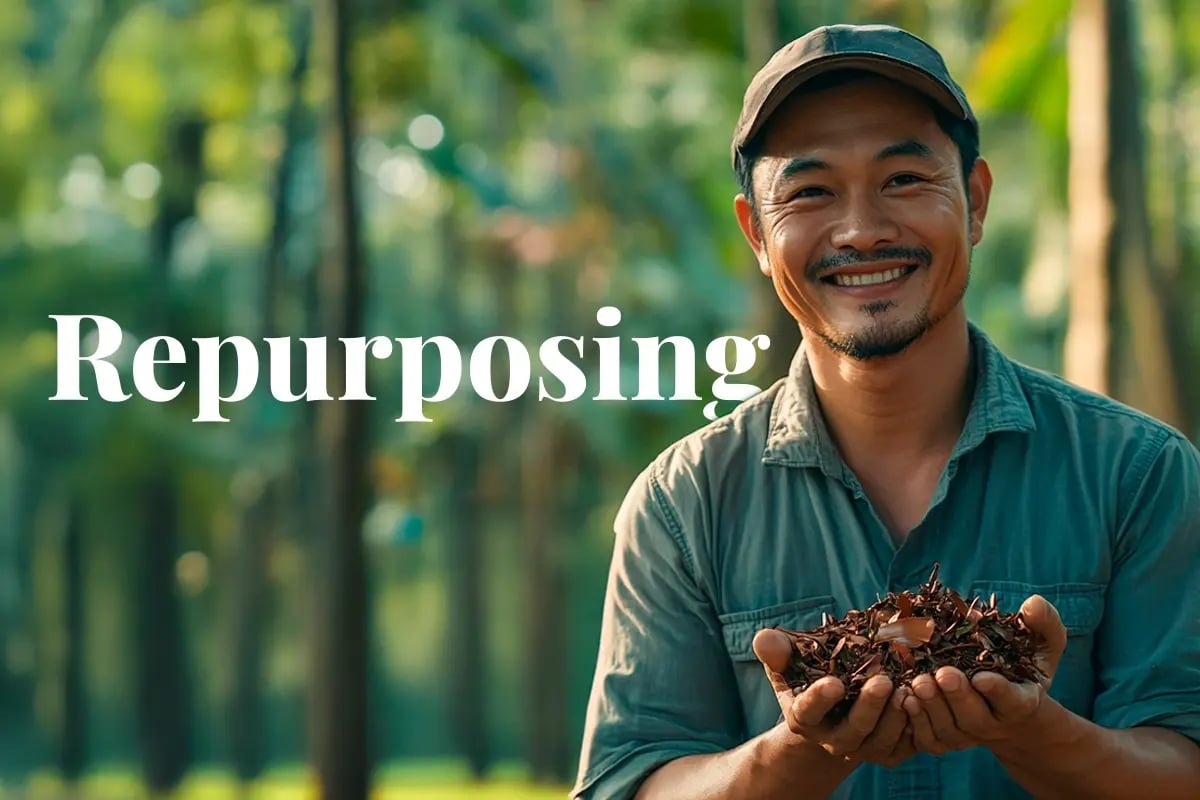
(883, 49)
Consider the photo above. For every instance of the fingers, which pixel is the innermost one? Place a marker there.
(877, 728)
(809, 708)
(941, 720)
(1043, 619)
(922, 730)
(1009, 701)
(905, 747)
(971, 713)
(803, 711)
(864, 715)
(888, 737)
(774, 649)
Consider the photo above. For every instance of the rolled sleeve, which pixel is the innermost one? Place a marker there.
(1149, 641)
(663, 686)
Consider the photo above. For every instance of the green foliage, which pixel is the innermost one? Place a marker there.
(1011, 67)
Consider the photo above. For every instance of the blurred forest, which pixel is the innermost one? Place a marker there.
(314, 595)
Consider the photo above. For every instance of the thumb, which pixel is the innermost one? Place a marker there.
(1042, 618)
(774, 649)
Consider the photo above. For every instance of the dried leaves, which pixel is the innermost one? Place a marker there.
(903, 636)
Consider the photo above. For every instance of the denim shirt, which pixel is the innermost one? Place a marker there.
(755, 521)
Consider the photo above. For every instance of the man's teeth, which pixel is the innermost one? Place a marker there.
(869, 278)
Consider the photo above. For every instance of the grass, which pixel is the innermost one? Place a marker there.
(408, 781)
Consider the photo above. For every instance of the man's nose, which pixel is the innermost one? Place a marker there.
(864, 225)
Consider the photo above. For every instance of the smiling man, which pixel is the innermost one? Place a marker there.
(901, 437)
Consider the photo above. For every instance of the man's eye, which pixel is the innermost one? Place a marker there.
(810, 191)
(906, 179)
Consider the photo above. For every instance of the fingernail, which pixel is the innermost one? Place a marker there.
(925, 690)
(831, 690)
(949, 681)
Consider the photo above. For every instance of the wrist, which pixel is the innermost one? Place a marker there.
(805, 755)
(793, 746)
(1053, 735)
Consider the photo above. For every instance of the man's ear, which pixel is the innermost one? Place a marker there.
(979, 191)
(752, 231)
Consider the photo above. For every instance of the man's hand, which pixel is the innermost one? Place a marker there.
(875, 730)
(949, 712)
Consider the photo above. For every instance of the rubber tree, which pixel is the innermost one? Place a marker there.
(338, 681)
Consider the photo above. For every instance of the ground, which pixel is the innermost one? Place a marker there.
(403, 782)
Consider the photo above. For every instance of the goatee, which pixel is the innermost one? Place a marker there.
(880, 340)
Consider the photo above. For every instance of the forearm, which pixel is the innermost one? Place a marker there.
(1078, 758)
(776, 765)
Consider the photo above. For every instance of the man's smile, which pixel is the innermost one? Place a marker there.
(869, 279)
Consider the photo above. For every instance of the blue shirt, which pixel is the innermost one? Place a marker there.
(755, 521)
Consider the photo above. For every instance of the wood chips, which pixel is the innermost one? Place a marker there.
(905, 635)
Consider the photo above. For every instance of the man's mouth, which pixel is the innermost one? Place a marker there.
(869, 278)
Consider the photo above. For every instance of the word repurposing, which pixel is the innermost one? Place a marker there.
(562, 380)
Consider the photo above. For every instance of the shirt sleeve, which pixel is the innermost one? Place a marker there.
(1149, 639)
(663, 686)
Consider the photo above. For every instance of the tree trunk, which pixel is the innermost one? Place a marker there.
(1086, 351)
(466, 633)
(249, 603)
(549, 473)
(260, 513)
(18, 615)
(163, 690)
(761, 39)
(338, 700)
(72, 753)
(1114, 296)
(163, 687)
(278, 315)
(1179, 283)
(1148, 375)
(546, 460)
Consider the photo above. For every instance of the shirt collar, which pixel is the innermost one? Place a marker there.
(797, 436)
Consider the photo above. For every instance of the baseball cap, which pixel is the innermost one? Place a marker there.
(883, 49)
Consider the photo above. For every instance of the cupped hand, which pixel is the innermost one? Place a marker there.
(948, 711)
(876, 729)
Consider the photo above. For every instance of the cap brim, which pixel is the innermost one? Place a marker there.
(885, 66)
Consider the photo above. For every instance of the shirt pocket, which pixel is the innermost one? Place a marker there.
(738, 629)
(1081, 608)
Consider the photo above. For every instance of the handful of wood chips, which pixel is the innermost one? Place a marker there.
(905, 635)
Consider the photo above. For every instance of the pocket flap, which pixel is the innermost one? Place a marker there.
(739, 627)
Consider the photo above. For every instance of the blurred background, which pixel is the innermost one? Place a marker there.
(312, 598)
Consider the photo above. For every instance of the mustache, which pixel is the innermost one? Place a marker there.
(920, 255)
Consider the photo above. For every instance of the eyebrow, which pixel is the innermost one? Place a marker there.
(798, 165)
(908, 147)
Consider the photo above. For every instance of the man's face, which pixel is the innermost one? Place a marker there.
(866, 225)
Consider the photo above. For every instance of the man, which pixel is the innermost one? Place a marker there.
(900, 438)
